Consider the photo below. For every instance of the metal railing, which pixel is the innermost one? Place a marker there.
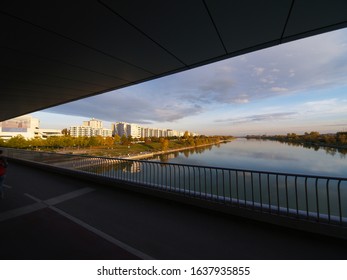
(315, 198)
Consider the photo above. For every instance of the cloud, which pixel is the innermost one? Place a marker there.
(258, 70)
(325, 106)
(278, 89)
(259, 118)
(130, 106)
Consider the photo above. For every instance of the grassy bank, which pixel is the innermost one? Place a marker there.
(135, 150)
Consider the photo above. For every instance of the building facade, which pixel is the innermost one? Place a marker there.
(90, 128)
(136, 131)
(26, 126)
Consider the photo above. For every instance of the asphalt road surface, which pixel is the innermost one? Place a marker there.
(45, 215)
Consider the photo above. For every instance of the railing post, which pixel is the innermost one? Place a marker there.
(296, 196)
(269, 192)
(260, 192)
(339, 198)
(317, 200)
(328, 200)
(306, 199)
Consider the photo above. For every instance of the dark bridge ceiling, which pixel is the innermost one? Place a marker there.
(56, 51)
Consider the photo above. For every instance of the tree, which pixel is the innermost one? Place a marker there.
(17, 142)
(93, 141)
(81, 141)
(67, 141)
(147, 140)
(186, 135)
(2, 142)
(124, 140)
(65, 132)
(342, 137)
(109, 141)
(191, 141)
(116, 138)
(54, 142)
(36, 142)
(164, 144)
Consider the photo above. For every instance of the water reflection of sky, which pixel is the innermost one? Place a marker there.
(268, 156)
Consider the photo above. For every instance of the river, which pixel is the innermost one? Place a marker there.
(265, 155)
(311, 195)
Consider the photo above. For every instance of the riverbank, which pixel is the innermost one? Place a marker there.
(146, 155)
(314, 140)
(138, 150)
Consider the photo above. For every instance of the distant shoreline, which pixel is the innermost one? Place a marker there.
(301, 143)
(153, 154)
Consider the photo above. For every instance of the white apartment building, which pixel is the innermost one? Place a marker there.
(136, 131)
(94, 123)
(127, 129)
(120, 128)
(76, 131)
(173, 133)
(90, 128)
(104, 132)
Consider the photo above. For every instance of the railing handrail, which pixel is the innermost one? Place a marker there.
(197, 166)
(322, 199)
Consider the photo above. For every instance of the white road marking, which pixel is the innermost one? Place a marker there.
(38, 206)
(104, 235)
(21, 211)
(98, 232)
(68, 196)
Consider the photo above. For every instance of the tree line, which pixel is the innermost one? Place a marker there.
(338, 139)
(66, 141)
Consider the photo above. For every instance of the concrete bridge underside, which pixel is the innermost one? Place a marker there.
(53, 52)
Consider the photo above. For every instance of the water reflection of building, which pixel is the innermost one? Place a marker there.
(133, 167)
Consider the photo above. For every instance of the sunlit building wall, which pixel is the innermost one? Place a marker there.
(26, 125)
(90, 128)
(94, 123)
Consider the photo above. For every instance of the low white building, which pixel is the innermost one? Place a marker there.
(26, 125)
(47, 132)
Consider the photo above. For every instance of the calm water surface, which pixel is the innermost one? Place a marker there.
(264, 155)
(311, 197)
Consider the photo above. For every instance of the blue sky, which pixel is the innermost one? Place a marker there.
(294, 87)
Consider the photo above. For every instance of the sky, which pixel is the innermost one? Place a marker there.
(294, 87)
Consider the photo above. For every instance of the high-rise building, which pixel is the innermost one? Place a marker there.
(120, 128)
(93, 123)
(127, 129)
(134, 130)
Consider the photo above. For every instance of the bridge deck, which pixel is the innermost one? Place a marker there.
(49, 216)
